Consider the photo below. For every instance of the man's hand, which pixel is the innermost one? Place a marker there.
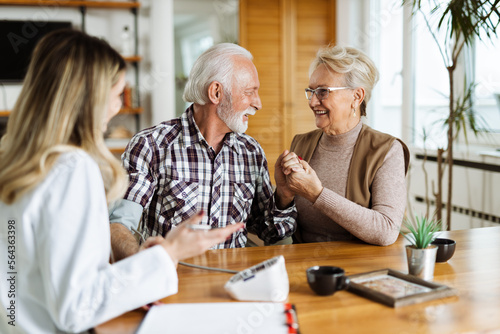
(285, 164)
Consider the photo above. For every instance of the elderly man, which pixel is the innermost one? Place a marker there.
(204, 161)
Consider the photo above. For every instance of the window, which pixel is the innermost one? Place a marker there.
(193, 46)
(193, 35)
(387, 95)
(487, 80)
(431, 88)
(427, 101)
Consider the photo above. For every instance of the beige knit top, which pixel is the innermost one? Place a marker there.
(332, 216)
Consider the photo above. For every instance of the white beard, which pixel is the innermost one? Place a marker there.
(233, 119)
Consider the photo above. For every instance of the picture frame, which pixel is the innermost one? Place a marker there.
(395, 289)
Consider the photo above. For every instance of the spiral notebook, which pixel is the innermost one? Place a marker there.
(221, 318)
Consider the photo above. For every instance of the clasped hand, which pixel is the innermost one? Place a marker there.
(295, 176)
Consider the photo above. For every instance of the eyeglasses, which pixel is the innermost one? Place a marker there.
(322, 92)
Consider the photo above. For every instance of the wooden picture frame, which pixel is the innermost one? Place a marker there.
(395, 289)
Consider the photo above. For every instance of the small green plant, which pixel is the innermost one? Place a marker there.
(422, 232)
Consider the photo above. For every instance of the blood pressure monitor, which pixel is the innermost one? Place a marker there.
(266, 281)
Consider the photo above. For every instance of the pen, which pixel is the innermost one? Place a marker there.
(291, 319)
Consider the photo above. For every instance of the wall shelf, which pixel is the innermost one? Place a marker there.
(123, 111)
(74, 3)
(117, 150)
(133, 59)
(131, 111)
(117, 146)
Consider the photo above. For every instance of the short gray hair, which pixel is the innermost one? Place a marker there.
(215, 64)
(358, 69)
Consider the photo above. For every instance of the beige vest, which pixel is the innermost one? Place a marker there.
(369, 153)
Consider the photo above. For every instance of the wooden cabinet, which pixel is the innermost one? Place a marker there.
(284, 36)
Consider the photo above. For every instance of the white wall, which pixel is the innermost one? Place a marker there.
(162, 75)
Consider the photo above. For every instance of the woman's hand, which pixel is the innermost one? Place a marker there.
(182, 242)
(304, 182)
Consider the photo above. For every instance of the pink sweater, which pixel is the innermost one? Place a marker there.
(332, 216)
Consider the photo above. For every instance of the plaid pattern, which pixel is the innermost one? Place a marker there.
(174, 173)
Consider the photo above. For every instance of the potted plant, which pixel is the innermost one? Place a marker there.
(421, 254)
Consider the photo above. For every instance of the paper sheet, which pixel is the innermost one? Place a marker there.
(216, 318)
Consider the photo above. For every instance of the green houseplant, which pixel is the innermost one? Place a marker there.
(462, 21)
(420, 253)
(423, 232)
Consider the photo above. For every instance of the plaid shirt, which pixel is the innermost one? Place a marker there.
(174, 173)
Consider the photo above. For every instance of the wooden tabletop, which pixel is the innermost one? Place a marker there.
(474, 271)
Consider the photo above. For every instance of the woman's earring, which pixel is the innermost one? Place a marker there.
(353, 112)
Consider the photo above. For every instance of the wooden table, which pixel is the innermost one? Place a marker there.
(474, 271)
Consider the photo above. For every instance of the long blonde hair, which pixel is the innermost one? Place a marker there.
(61, 107)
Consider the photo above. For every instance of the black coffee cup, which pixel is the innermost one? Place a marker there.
(446, 249)
(326, 280)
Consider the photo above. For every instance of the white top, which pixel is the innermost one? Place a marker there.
(58, 240)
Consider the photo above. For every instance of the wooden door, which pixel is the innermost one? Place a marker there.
(284, 36)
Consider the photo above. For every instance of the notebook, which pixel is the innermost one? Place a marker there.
(221, 318)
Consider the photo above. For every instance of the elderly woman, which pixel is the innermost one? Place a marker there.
(351, 183)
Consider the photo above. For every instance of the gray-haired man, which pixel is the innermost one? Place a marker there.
(204, 161)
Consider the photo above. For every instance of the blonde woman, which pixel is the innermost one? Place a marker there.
(351, 183)
(56, 178)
